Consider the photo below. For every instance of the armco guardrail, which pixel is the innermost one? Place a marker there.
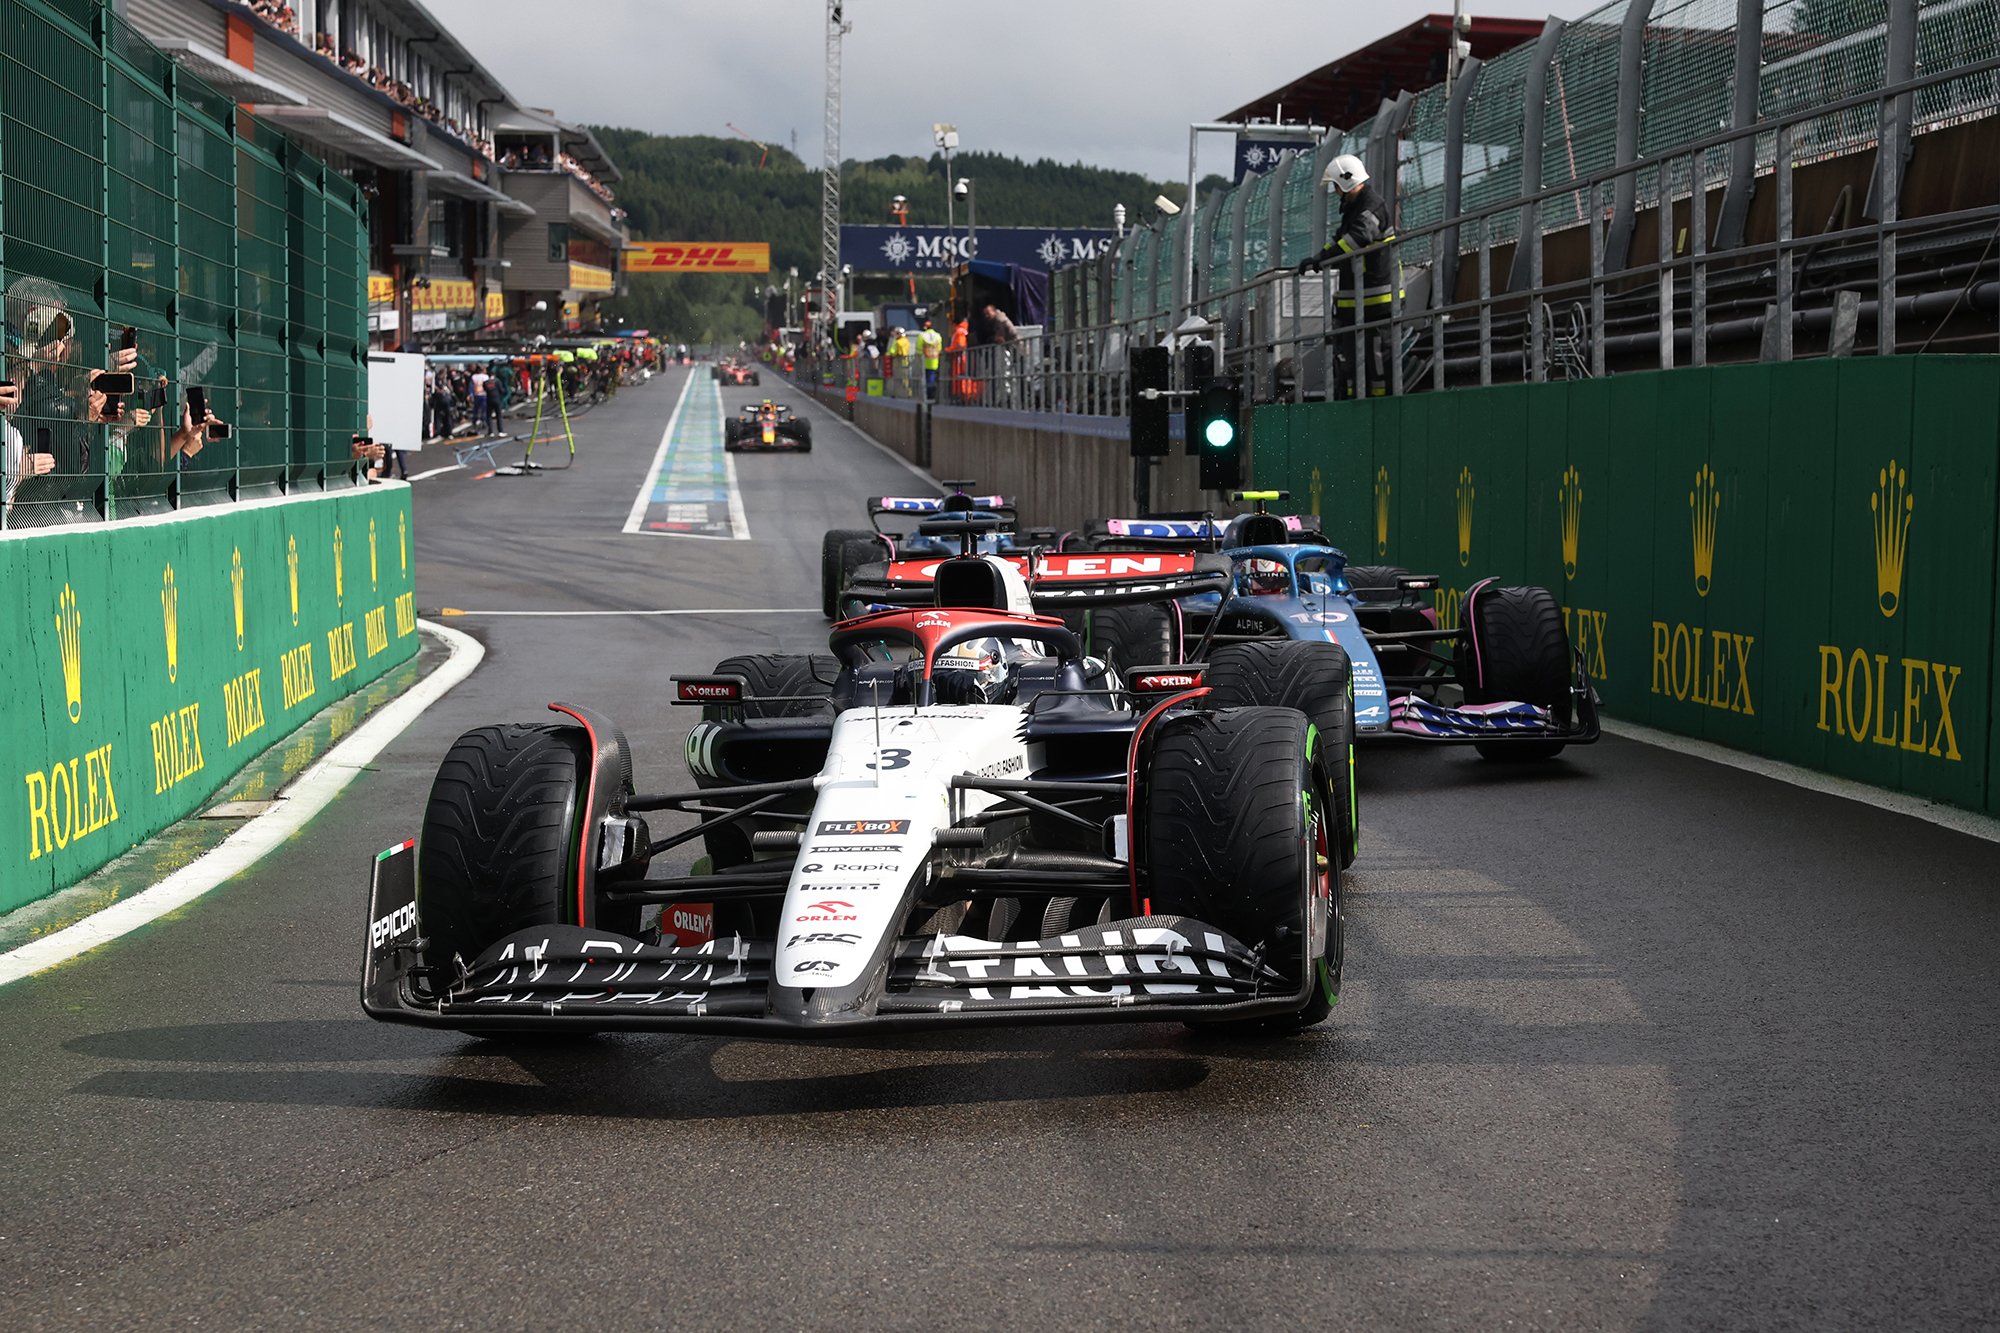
(151, 659)
(1797, 560)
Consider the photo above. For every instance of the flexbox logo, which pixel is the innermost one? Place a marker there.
(1569, 499)
(1464, 516)
(69, 638)
(1705, 505)
(170, 615)
(1893, 506)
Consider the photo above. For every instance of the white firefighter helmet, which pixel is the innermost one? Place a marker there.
(1345, 173)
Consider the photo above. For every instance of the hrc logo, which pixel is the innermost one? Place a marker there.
(1569, 499)
(1464, 516)
(69, 636)
(1893, 506)
(1705, 505)
(170, 613)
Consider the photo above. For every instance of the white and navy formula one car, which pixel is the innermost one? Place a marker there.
(957, 818)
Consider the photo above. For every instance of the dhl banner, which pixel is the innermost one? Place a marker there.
(1740, 553)
(697, 257)
(445, 294)
(152, 660)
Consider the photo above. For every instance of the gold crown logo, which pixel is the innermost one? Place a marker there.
(170, 614)
(403, 527)
(339, 572)
(292, 570)
(236, 591)
(1315, 494)
(1893, 506)
(1465, 516)
(374, 579)
(1705, 504)
(1569, 499)
(1381, 511)
(69, 637)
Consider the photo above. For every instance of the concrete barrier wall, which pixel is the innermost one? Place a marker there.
(149, 660)
(1796, 560)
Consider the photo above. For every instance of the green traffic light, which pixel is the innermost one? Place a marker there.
(1219, 433)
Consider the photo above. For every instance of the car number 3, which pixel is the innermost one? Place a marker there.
(891, 759)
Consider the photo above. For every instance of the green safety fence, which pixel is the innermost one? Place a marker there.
(1794, 559)
(133, 195)
(150, 660)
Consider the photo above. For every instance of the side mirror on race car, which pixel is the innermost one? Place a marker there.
(1418, 582)
(709, 689)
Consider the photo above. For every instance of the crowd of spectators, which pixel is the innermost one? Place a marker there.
(537, 159)
(280, 16)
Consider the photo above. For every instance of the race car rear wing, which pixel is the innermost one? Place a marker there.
(936, 504)
(1060, 582)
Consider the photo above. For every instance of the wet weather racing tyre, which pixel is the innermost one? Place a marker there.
(1516, 649)
(1374, 578)
(498, 852)
(1129, 636)
(777, 674)
(1316, 679)
(1236, 836)
(833, 570)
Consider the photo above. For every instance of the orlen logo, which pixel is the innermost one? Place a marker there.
(830, 909)
(383, 929)
(932, 620)
(1178, 680)
(698, 691)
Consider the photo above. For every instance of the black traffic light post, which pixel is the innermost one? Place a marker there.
(1216, 429)
(1211, 428)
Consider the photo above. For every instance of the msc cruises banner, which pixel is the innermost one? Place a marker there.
(921, 249)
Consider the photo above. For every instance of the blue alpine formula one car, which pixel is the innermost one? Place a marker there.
(925, 526)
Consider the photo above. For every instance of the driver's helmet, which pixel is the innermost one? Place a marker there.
(973, 672)
(1265, 578)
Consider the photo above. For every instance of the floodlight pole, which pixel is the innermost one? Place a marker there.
(829, 215)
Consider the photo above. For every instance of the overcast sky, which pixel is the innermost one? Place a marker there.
(1112, 83)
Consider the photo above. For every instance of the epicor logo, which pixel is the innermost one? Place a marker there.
(386, 928)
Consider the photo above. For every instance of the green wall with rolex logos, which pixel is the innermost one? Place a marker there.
(1831, 620)
(152, 659)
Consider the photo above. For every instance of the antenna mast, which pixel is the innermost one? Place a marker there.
(829, 218)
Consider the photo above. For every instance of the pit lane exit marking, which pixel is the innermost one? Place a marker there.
(689, 473)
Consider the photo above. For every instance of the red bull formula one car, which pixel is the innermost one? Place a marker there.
(958, 817)
(767, 425)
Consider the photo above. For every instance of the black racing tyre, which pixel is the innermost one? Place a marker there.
(1142, 634)
(498, 851)
(860, 553)
(1236, 811)
(832, 574)
(1516, 649)
(1374, 578)
(777, 674)
(1316, 679)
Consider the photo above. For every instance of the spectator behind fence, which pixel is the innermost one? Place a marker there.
(53, 405)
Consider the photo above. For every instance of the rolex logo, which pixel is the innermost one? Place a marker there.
(403, 527)
(1315, 494)
(170, 615)
(69, 637)
(292, 571)
(339, 572)
(1381, 511)
(1464, 516)
(1892, 504)
(236, 591)
(1569, 498)
(374, 580)
(1704, 504)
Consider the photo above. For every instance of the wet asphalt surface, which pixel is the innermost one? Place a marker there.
(1628, 1041)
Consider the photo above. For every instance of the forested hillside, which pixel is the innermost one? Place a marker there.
(700, 188)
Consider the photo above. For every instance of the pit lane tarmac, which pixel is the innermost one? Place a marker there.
(1629, 1040)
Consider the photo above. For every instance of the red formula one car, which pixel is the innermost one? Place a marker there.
(733, 372)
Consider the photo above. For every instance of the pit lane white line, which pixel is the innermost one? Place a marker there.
(312, 792)
(715, 611)
(647, 482)
(439, 471)
(1916, 807)
(739, 519)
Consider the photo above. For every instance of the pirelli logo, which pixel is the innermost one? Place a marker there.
(861, 828)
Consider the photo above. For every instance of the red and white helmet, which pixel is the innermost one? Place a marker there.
(1265, 578)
